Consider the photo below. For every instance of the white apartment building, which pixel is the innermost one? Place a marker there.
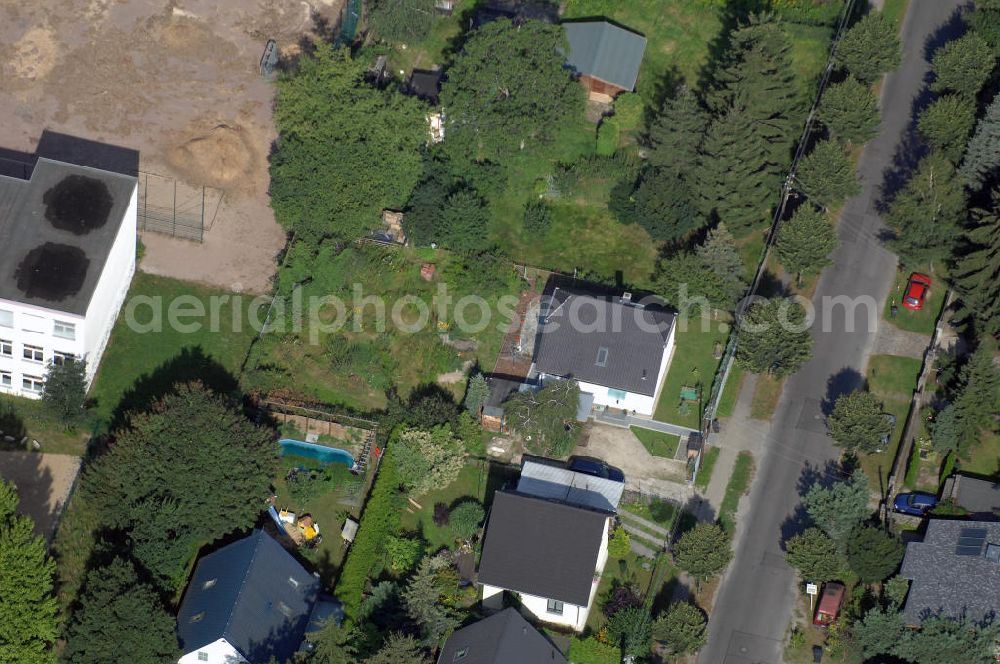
(67, 256)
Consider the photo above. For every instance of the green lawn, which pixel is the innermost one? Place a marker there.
(20, 417)
(630, 571)
(896, 10)
(678, 35)
(138, 364)
(892, 379)
(739, 484)
(916, 321)
(766, 395)
(471, 484)
(731, 392)
(984, 459)
(433, 49)
(707, 466)
(693, 365)
(657, 443)
(661, 512)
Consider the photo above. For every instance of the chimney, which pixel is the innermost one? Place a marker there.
(626, 297)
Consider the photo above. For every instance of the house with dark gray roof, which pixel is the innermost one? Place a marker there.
(605, 56)
(247, 602)
(549, 554)
(503, 638)
(67, 256)
(954, 571)
(617, 350)
(979, 497)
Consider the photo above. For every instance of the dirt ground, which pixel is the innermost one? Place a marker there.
(43, 484)
(176, 80)
(644, 472)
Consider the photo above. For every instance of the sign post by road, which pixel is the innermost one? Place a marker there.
(811, 590)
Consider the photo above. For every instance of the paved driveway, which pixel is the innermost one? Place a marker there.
(754, 604)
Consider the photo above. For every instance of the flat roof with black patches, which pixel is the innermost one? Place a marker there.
(56, 231)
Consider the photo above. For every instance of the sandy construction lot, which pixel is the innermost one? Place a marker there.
(178, 81)
(43, 484)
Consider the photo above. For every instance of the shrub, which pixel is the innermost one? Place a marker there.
(592, 651)
(633, 629)
(620, 597)
(620, 543)
(682, 628)
(466, 518)
(403, 553)
(537, 217)
(607, 137)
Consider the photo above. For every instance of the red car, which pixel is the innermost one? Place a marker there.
(918, 288)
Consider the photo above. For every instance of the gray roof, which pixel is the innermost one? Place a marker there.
(978, 496)
(545, 478)
(950, 573)
(606, 51)
(254, 594)
(56, 231)
(541, 547)
(503, 638)
(603, 340)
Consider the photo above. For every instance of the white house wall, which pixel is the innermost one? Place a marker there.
(111, 290)
(640, 403)
(34, 326)
(218, 652)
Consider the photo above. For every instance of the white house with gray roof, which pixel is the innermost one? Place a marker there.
(67, 256)
(617, 350)
(954, 571)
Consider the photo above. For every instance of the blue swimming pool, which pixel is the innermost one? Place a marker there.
(290, 446)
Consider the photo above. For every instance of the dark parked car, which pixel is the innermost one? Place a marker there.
(916, 504)
(597, 468)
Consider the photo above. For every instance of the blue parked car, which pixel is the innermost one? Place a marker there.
(916, 504)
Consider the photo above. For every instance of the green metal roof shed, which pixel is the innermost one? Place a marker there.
(605, 51)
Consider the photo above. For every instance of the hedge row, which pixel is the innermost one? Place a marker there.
(379, 520)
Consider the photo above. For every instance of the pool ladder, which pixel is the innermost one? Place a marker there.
(366, 448)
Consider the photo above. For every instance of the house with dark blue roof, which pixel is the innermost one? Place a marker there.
(247, 602)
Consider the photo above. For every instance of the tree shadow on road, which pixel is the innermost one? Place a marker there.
(843, 382)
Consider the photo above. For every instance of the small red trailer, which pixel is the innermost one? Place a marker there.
(829, 605)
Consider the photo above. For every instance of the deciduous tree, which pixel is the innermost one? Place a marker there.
(183, 474)
(28, 617)
(946, 125)
(774, 337)
(546, 418)
(962, 65)
(815, 556)
(401, 20)
(805, 242)
(826, 175)
(116, 607)
(704, 551)
(858, 422)
(682, 629)
(428, 460)
(507, 89)
(870, 47)
(873, 554)
(926, 214)
(345, 149)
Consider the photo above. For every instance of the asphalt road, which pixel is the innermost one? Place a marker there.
(756, 601)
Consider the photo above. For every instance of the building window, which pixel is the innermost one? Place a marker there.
(32, 384)
(554, 606)
(59, 357)
(6, 379)
(202, 656)
(6, 318)
(208, 584)
(6, 348)
(602, 357)
(34, 353)
(64, 330)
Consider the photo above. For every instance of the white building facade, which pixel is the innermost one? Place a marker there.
(60, 317)
(217, 652)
